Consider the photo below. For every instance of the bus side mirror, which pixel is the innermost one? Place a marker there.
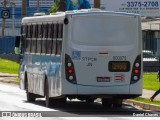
(17, 45)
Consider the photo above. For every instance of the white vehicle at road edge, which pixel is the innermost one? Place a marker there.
(149, 56)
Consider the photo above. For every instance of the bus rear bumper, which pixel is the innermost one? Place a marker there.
(122, 92)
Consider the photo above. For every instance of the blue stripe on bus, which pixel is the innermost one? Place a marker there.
(49, 64)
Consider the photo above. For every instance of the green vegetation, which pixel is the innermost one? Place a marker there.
(17, 80)
(150, 81)
(7, 66)
(146, 101)
(55, 6)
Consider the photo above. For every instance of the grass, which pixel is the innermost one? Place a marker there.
(17, 80)
(150, 81)
(7, 66)
(147, 101)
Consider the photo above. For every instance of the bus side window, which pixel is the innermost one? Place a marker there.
(56, 39)
(46, 37)
(53, 29)
(39, 31)
(36, 36)
(23, 38)
(59, 42)
(27, 45)
(33, 39)
(26, 31)
(33, 30)
(49, 40)
(36, 31)
(49, 31)
(39, 35)
(24, 35)
(28, 41)
(46, 30)
(43, 38)
(60, 31)
(29, 31)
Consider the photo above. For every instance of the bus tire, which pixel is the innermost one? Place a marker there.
(48, 100)
(106, 103)
(59, 102)
(118, 103)
(90, 100)
(30, 96)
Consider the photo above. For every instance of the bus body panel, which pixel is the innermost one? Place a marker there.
(89, 90)
(68, 88)
(73, 89)
(46, 67)
(87, 72)
(22, 71)
(91, 58)
(136, 88)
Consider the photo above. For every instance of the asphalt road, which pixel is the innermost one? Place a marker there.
(13, 100)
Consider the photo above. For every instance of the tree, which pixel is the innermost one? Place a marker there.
(59, 5)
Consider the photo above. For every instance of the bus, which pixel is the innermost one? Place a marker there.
(81, 54)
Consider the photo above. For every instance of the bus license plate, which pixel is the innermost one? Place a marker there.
(103, 79)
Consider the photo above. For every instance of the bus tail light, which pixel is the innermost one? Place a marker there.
(69, 70)
(136, 70)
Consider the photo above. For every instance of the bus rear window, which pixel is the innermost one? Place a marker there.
(104, 30)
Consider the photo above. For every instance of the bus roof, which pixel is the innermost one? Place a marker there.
(98, 11)
(59, 16)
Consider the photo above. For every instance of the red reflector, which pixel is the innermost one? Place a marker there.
(136, 71)
(70, 71)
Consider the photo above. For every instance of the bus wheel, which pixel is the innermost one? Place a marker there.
(30, 96)
(90, 100)
(106, 103)
(115, 105)
(60, 102)
(118, 103)
(48, 100)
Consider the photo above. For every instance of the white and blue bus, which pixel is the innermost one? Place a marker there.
(83, 54)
